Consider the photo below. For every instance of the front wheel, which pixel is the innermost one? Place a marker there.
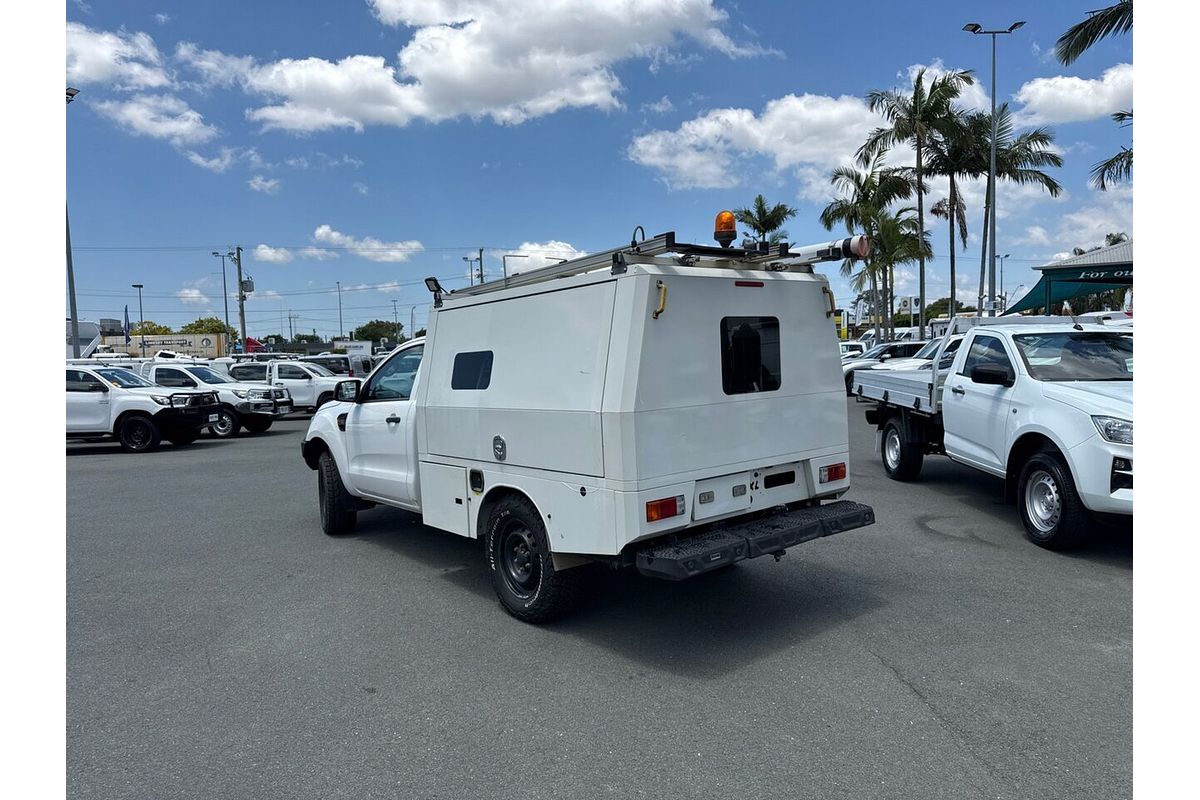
(227, 425)
(902, 458)
(338, 512)
(139, 434)
(323, 399)
(1051, 511)
(523, 573)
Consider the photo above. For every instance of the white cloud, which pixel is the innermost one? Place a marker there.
(509, 60)
(124, 60)
(1065, 98)
(272, 255)
(1034, 234)
(218, 163)
(659, 106)
(361, 188)
(265, 185)
(538, 254)
(1106, 212)
(368, 247)
(389, 287)
(973, 97)
(162, 19)
(159, 116)
(807, 133)
(317, 253)
(191, 296)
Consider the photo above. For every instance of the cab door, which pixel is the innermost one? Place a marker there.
(298, 381)
(381, 432)
(976, 414)
(88, 403)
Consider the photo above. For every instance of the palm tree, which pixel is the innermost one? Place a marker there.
(898, 239)
(1118, 168)
(953, 210)
(915, 118)
(1117, 18)
(767, 223)
(865, 193)
(956, 155)
(1019, 159)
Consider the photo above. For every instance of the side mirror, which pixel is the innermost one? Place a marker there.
(991, 375)
(347, 391)
(885, 356)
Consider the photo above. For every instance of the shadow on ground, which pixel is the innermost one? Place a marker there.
(700, 628)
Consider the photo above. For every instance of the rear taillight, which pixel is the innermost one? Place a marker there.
(351, 373)
(665, 509)
(834, 472)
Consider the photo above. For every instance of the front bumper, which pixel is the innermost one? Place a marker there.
(189, 416)
(1092, 467)
(760, 536)
(271, 408)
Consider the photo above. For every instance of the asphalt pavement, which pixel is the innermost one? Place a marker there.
(220, 646)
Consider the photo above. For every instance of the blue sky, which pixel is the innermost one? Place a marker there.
(374, 143)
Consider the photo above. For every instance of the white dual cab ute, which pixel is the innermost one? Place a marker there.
(310, 386)
(1044, 402)
(243, 405)
(665, 406)
(105, 401)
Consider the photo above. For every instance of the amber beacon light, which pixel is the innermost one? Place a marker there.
(726, 228)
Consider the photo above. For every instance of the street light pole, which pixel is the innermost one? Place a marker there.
(71, 266)
(1006, 255)
(141, 318)
(470, 269)
(236, 255)
(977, 29)
(396, 320)
(224, 286)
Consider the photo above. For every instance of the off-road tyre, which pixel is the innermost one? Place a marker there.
(850, 383)
(138, 434)
(339, 513)
(323, 399)
(254, 425)
(902, 458)
(1051, 512)
(227, 425)
(523, 574)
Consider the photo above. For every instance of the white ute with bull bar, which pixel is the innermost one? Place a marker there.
(665, 406)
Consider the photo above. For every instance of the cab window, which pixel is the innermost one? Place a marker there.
(985, 350)
(78, 381)
(172, 377)
(291, 372)
(393, 380)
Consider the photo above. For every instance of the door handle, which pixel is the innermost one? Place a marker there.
(390, 420)
(958, 390)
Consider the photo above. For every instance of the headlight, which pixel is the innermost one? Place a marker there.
(240, 393)
(161, 400)
(260, 394)
(1117, 431)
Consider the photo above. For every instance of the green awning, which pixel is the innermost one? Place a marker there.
(1099, 270)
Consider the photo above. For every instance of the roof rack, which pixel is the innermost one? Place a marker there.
(663, 243)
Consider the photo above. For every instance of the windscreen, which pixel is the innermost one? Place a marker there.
(317, 369)
(123, 377)
(1077, 355)
(207, 375)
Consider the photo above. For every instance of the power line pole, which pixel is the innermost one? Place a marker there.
(341, 328)
(141, 318)
(71, 290)
(237, 259)
(396, 321)
(481, 265)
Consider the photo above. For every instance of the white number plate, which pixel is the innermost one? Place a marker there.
(212, 417)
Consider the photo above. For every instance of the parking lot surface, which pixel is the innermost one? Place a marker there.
(219, 645)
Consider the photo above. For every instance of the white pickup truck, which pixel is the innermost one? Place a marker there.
(665, 406)
(107, 401)
(1043, 402)
(243, 405)
(309, 385)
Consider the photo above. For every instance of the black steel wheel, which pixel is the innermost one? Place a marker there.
(522, 567)
(138, 434)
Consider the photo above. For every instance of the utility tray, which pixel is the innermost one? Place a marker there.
(761, 536)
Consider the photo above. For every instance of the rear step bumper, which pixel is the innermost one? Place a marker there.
(758, 537)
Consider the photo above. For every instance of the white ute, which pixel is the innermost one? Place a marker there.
(107, 401)
(1044, 402)
(309, 385)
(243, 405)
(662, 405)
